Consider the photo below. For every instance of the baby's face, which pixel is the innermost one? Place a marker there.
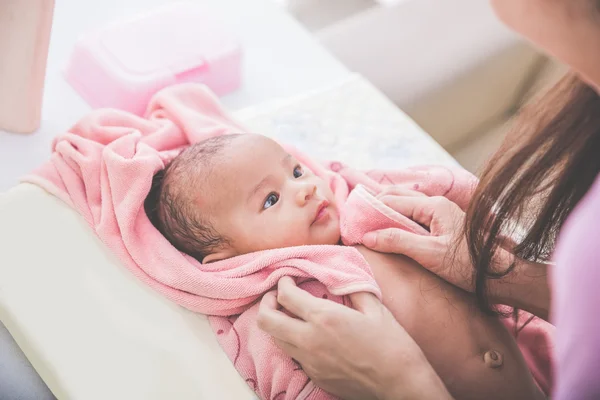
(262, 198)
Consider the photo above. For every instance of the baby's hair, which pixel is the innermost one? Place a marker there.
(170, 204)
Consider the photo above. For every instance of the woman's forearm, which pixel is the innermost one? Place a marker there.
(526, 288)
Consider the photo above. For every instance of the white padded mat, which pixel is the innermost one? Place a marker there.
(88, 326)
(93, 331)
(351, 122)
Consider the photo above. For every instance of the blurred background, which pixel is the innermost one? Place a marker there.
(455, 69)
(450, 65)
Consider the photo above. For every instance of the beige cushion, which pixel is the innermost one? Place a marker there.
(88, 326)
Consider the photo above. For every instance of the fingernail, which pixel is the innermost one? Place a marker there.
(287, 279)
(370, 239)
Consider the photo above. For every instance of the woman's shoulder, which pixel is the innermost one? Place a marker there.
(582, 229)
(576, 300)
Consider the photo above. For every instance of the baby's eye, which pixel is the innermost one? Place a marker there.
(298, 171)
(271, 200)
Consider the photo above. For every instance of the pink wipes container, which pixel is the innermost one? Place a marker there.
(124, 64)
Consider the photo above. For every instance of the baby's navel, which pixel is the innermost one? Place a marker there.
(493, 359)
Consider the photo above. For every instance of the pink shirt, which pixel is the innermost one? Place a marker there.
(576, 302)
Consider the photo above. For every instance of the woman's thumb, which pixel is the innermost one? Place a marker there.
(394, 240)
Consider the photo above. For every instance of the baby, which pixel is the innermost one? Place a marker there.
(236, 194)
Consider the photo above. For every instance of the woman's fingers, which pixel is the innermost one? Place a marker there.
(278, 324)
(395, 240)
(291, 350)
(420, 209)
(440, 215)
(334, 348)
(397, 190)
(297, 301)
(365, 302)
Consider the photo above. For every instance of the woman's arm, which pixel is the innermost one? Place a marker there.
(525, 288)
(360, 353)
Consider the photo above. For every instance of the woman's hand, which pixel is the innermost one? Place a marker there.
(443, 252)
(360, 353)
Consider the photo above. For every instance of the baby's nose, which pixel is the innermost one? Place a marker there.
(305, 193)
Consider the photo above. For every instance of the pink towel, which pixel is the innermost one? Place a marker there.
(103, 167)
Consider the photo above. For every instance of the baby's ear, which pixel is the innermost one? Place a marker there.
(218, 255)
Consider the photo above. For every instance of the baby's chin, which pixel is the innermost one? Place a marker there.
(330, 234)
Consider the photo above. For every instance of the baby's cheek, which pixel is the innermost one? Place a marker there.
(334, 232)
(285, 234)
(294, 237)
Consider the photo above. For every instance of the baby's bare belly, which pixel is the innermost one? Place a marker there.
(454, 335)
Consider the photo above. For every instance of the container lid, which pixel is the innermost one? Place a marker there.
(156, 40)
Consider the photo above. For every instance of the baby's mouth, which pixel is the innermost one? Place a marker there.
(321, 213)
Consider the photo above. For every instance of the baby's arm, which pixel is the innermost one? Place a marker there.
(454, 335)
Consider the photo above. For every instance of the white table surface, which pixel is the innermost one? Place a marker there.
(280, 59)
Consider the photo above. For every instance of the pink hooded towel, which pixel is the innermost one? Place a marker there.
(103, 168)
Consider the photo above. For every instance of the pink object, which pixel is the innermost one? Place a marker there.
(363, 213)
(124, 64)
(575, 301)
(103, 167)
(24, 40)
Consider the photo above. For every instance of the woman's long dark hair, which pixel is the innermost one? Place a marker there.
(528, 190)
